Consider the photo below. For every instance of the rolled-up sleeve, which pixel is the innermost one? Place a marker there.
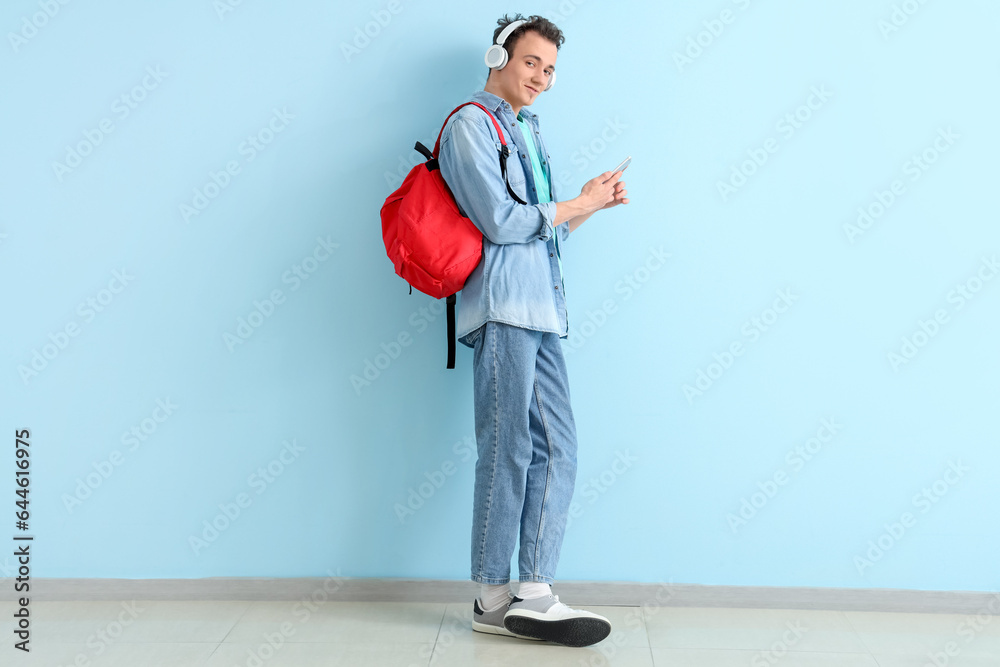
(470, 165)
(563, 231)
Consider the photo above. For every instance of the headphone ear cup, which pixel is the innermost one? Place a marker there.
(552, 80)
(495, 57)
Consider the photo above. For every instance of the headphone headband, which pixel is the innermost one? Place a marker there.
(505, 33)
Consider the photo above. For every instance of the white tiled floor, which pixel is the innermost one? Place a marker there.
(411, 634)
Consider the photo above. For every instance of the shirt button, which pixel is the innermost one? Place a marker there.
(551, 255)
(557, 286)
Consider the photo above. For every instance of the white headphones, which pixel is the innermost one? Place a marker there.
(497, 56)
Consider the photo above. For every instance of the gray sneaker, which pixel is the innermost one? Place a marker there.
(491, 622)
(548, 618)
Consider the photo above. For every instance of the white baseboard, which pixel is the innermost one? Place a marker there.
(573, 592)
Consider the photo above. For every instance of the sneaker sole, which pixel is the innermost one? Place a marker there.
(495, 630)
(576, 632)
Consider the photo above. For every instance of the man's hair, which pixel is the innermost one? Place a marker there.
(539, 24)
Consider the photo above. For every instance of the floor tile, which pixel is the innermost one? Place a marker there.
(967, 636)
(60, 654)
(961, 660)
(800, 630)
(322, 654)
(418, 634)
(665, 657)
(519, 652)
(337, 621)
(101, 623)
(177, 621)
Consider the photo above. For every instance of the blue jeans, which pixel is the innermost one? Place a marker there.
(526, 441)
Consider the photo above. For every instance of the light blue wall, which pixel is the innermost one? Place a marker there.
(663, 472)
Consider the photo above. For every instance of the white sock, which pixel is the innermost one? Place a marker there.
(533, 589)
(491, 596)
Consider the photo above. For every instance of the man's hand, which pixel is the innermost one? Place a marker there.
(619, 196)
(599, 192)
(604, 191)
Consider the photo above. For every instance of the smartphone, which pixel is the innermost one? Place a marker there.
(622, 167)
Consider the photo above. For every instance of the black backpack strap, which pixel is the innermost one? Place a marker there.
(450, 301)
(423, 150)
(504, 152)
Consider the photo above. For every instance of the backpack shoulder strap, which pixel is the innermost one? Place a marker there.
(437, 144)
(504, 150)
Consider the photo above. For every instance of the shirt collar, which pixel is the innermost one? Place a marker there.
(497, 104)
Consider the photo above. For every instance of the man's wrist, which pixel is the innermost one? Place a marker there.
(569, 209)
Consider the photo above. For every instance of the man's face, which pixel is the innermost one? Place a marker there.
(528, 70)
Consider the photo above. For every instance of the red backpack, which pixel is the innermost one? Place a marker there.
(432, 245)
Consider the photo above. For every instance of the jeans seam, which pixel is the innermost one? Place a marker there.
(496, 448)
(548, 475)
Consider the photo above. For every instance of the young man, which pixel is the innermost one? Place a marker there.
(512, 312)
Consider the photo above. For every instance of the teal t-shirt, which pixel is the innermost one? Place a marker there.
(541, 177)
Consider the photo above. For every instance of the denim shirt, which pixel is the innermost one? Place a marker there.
(518, 280)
